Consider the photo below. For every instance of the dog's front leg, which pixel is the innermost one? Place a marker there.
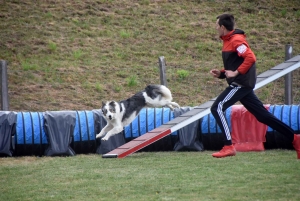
(112, 132)
(104, 130)
(171, 105)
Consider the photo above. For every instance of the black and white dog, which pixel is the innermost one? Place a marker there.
(120, 114)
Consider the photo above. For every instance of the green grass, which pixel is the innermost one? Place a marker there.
(182, 74)
(71, 55)
(268, 175)
(77, 44)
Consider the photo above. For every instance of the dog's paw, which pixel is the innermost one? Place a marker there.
(105, 138)
(99, 135)
(170, 106)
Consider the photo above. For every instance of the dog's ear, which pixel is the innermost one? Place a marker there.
(112, 103)
(103, 104)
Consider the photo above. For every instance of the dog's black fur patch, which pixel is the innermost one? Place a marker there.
(133, 104)
(153, 91)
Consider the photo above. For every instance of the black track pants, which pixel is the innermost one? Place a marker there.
(247, 97)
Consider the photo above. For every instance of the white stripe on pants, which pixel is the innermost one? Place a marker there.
(221, 113)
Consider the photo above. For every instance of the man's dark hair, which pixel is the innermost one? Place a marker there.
(227, 20)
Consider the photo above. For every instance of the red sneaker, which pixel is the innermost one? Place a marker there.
(228, 150)
(296, 144)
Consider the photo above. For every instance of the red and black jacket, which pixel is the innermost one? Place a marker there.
(237, 55)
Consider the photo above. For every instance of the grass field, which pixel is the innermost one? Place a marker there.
(71, 55)
(269, 175)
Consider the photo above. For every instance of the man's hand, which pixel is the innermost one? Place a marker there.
(215, 72)
(230, 73)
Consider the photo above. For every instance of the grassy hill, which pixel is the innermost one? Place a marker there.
(71, 55)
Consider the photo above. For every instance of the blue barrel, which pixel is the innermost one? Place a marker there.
(30, 136)
(84, 139)
(210, 133)
(147, 120)
(290, 115)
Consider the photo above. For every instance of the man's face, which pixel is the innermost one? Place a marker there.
(220, 29)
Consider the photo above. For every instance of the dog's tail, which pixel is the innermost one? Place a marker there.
(160, 91)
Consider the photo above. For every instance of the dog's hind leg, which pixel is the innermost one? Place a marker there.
(112, 132)
(104, 130)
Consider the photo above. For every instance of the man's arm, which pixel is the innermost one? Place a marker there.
(244, 51)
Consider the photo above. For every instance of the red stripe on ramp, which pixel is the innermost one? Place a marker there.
(138, 143)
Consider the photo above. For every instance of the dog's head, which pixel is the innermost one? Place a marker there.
(110, 109)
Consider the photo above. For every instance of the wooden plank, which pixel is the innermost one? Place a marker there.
(144, 144)
(268, 73)
(283, 66)
(206, 105)
(294, 59)
(177, 120)
(192, 112)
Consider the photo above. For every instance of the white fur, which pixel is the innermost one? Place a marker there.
(115, 121)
